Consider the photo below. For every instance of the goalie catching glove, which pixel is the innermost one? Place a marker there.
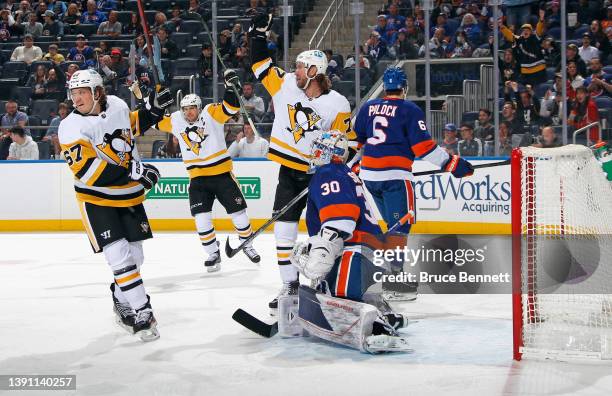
(316, 257)
(458, 167)
(145, 174)
(154, 100)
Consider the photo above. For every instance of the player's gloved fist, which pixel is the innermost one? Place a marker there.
(231, 79)
(356, 168)
(160, 100)
(145, 174)
(260, 26)
(458, 167)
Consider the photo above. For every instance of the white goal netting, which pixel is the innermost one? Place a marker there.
(565, 254)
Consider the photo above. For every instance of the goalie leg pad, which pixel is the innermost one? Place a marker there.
(288, 320)
(351, 276)
(338, 320)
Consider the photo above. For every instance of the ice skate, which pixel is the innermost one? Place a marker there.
(145, 325)
(400, 291)
(124, 314)
(288, 289)
(213, 262)
(252, 254)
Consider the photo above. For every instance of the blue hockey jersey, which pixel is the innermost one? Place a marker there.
(336, 199)
(393, 133)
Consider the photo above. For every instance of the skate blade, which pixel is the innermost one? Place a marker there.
(213, 268)
(148, 335)
(384, 343)
(395, 296)
(123, 325)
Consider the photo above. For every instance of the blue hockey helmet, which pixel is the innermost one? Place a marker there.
(394, 79)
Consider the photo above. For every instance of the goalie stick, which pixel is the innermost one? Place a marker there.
(266, 330)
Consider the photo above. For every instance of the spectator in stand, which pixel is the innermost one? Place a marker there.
(394, 20)
(162, 21)
(518, 11)
(550, 52)
(51, 135)
(527, 108)
(403, 6)
(171, 149)
(585, 13)
(469, 25)
(53, 55)
(119, 64)
(485, 131)
(56, 83)
(584, 112)
(169, 50)
(552, 104)
(176, 18)
(38, 82)
(554, 18)
(248, 145)
(253, 104)
(5, 143)
(413, 32)
(140, 43)
(196, 8)
(241, 56)
(23, 147)
(28, 52)
(226, 49)
(469, 146)
(238, 35)
(547, 138)
(21, 15)
(72, 68)
(587, 51)
(134, 26)
(386, 35)
(437, 45)
(58, 7)
(505, 138)
(81, 52)
(375, 47)
(598, 83)
(363, 61)
(599, 38)
(7, 26)
(13, 117)
(33, 27)
(450, 139)
(574, 80)
(573, 56)
(72, 16)
(93, 15)
(605, 24)
(254, 9)
(404, 48)
(459, 47)
(52, 27)
(333, 69)
(441, 22)
(112, 27)
(529, 54)
(509, 115)
(205, 63)
(40, 9)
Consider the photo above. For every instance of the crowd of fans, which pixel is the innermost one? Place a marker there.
(53, 38)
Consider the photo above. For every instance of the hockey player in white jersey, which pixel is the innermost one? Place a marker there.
(304, 104)
(97, 141)
(202, 141)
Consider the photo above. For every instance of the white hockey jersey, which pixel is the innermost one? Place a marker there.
(98, 150)
(297, 117)
(202, 142)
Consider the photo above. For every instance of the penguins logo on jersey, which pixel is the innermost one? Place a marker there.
(194, 137)
(302, 120)
(117, 147)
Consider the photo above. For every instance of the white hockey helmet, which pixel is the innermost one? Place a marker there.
(191, 100)
(88, 78)
(314, 58)
(329, 146)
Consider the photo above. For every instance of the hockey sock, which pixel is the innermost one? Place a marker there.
(286, 234)
(242, 225)
(125, 271)
(206, 231)
(119, 294)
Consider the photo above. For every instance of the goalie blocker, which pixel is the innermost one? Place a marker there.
(350, 323)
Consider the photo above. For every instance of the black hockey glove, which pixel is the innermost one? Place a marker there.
(231, 79)
(260, 26)
(155, 101)
(145, 174)
(458, 167)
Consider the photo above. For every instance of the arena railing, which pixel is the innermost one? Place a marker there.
(333, 21)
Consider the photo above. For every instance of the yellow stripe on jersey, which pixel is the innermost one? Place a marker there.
(288, 147)
(287, 163)
(261, 67)
(87, 225)
(223, 167)
(216, 112)
(119, 202)
(273, 77)
(230, 108)
(196, 160)
(165, 125)
(77, 153)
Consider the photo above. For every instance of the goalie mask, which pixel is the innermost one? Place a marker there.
(310, 58)
(188, 101)
(329, 146)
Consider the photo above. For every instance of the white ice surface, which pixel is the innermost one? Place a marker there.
(56, 318)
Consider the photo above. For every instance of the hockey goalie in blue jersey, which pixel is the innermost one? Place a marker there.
(342, 231)
(392, 133)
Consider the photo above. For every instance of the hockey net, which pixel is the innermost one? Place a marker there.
(562, 269)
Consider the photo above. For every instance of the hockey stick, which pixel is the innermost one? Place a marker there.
(147, 34)
(240, 101)
(436, 171)
(231, 252)
(269, 330)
